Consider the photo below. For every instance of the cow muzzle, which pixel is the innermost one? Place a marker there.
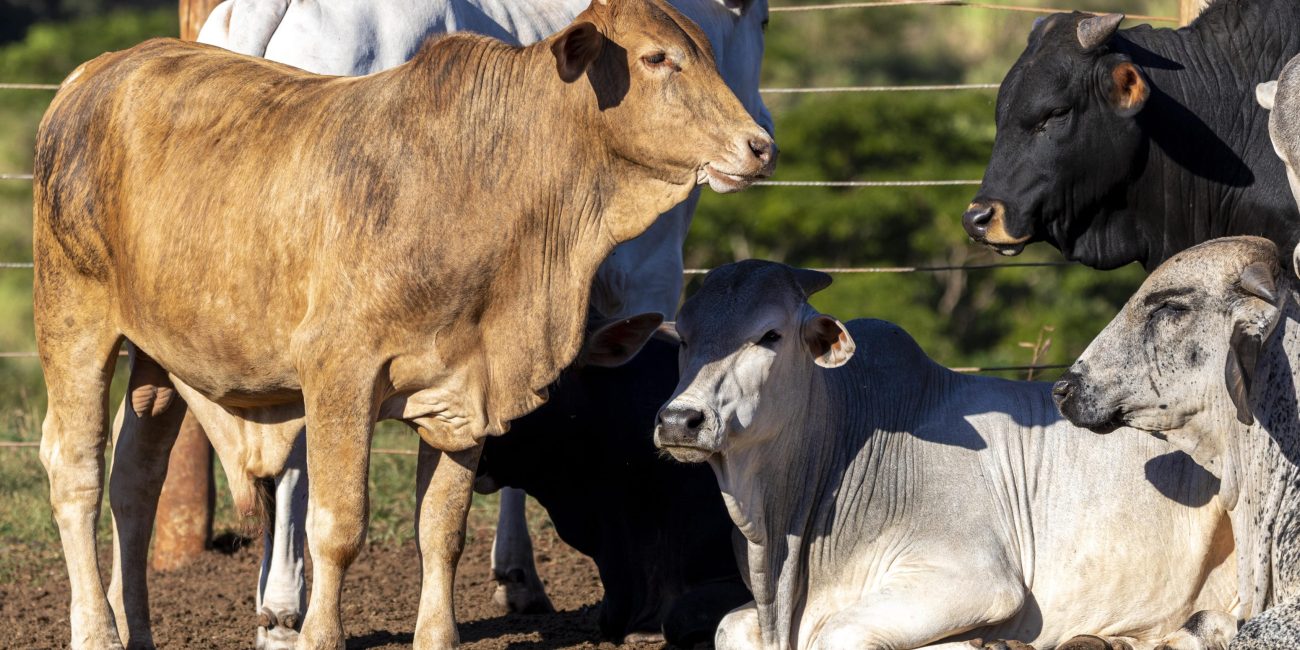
(1076, 404)
(753, 157)
(685, 432)
(986, 223)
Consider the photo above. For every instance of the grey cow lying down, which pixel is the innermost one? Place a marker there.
(889, 503)
(1204, 355)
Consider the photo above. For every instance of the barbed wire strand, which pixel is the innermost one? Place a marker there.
(957, 3)
(23, 86)
(770, 91)
(832, 269)
(924, 183)
(876, 89)
(927, 183)
(23, 444)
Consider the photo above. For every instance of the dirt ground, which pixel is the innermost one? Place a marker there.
(210, 603)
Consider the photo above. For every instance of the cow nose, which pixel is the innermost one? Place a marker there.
(763, 149)
(681, 423)
(1062, 390)
(977, 219)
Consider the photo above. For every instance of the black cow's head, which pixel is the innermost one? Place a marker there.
(1067, 136)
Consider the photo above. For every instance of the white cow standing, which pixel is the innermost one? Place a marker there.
(888, 503)
(357, 37)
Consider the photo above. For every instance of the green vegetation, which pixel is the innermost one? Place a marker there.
(962, 318)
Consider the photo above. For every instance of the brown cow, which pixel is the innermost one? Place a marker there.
(296, 249)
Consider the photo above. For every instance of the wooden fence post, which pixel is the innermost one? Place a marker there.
(184, 523)
(193, 13)
(1188, 10)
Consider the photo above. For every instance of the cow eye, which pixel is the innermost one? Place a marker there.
(1051, 115)
(772, 336)
(655, 60)
(1168, 309)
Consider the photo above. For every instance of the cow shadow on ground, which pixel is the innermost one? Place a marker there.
(561, 629)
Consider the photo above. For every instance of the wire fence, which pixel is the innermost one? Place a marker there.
(19, 176)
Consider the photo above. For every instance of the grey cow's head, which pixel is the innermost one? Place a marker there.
(749, 342)
(1282, 99)
(1181, 358)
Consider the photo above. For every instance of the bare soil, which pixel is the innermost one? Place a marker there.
(209, 604)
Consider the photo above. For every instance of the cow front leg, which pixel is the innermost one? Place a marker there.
(739, 629)
(145, 429)
(340, 420)
(519, 589)
(920, 611)
(282, 585)
(444, 488)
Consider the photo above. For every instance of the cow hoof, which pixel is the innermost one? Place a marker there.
(277, 632)
(518, 594)
(1090, 642)
(644, 637)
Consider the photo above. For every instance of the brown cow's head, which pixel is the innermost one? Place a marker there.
(661, 102)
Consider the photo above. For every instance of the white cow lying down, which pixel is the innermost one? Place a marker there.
(889, 503)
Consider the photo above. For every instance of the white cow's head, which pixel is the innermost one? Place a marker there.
(735, 30)
(750, 343)
(1183, 359)
(1282, 98)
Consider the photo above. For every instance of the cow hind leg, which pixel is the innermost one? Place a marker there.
(144, 432)
(78, 352)
(519, 589)
(444, 487)
(282, 586)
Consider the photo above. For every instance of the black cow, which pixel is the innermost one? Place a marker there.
(657, 529)
(1132, 145)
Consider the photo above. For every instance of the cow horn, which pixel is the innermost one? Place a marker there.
(1257, 280)
(1094, 31)
(811, 281)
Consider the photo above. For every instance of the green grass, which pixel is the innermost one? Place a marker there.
(29, 542)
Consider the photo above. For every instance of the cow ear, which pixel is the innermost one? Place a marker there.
(576, 49)
(828, 340)
(1254, 320)
(614, 343)
(1129, 89)
(667, 332)
(1095, 31)
(811, 281)
(1265, 93)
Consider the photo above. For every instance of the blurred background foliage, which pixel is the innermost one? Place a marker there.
(963, 318)
(984, 317)
(976, 317)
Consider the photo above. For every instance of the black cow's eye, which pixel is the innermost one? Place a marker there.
(1051, 115)
(772, 336)
(655, 60)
